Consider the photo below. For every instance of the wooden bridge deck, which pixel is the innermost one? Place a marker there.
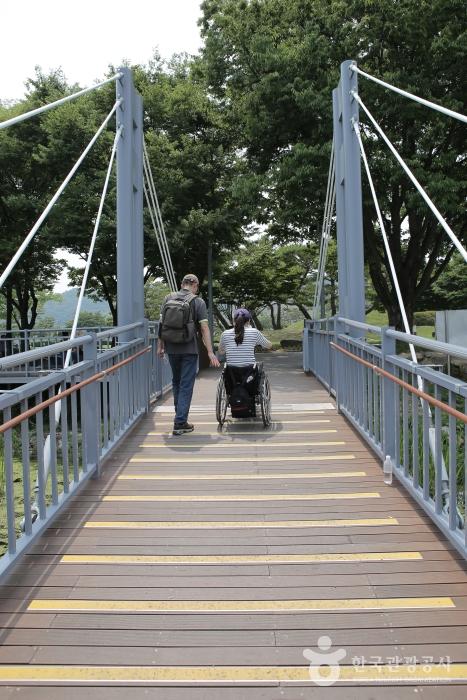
(219, 558)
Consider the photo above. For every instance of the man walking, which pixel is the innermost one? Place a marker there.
(182, 314)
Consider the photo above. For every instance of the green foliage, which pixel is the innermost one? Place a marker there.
(273, 65)
(263, 275)
(91, 319)
(154, 294)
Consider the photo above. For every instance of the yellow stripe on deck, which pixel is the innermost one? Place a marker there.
(262, 434)
(212, 675)
(246, 458)
(248, 497)
(227, 606)
(233, 524)
(198, 477)
(238, 558)
(177, 444)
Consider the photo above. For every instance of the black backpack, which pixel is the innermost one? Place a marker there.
(177, 318)
(241, 399)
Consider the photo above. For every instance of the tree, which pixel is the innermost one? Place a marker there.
(27, 181)
(450, 289)
(273, 64)
(264, 276)
(91, 319)
(154, 294)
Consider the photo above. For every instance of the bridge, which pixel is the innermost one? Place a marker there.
(279, 563)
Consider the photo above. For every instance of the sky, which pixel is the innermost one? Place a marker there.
(85, 36)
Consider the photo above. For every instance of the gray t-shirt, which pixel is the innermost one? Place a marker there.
(200, 313)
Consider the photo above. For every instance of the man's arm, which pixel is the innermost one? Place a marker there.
(206, 336)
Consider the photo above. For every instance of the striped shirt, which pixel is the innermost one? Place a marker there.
(243, 354)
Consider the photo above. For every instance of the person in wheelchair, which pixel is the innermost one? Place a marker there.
(242, 373)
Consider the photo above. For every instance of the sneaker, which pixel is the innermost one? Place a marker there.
(183, 428)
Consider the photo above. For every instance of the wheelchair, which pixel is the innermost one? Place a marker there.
(246, 390)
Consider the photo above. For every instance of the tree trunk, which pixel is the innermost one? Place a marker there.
(395, 317)
(221, 319)
(333, 297)
(9, 309)
(279, 317)
(304, 311)
(257, 322)
(271, 313)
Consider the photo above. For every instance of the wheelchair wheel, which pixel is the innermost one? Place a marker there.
(265, 400)
(221, 401)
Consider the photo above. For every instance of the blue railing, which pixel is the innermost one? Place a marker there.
(378, 391)
(48, 454)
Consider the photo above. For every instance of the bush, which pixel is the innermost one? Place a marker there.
(425, 318)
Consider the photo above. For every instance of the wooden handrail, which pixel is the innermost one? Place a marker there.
(13, 422)
(422, 394)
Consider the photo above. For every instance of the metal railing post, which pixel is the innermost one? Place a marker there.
(388, 347)
(91, 422)
(338, 329)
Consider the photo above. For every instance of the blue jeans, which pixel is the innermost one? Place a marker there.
(183, 380)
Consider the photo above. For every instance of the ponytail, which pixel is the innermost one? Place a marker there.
(239, 329)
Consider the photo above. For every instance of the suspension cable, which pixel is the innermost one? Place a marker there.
(406, 168)
(51, 105)
(421, 100)
(386, 243)
(157, 213)
(328, 209)
(413, 354)
(93, 243)
(58, 405)
(157, 210)
(155, 224)
(6, 273)
(158, 230)
(159, 243)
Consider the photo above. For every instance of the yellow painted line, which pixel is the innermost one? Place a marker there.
(256, 433)
(213, 675)
(234, 525)
(238, 558)
(241, 477)
(177, 444)
(226, 606)
(246, 458)
(247, 497)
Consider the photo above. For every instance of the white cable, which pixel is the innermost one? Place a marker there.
(163, 245)
(158, 219)
(421, 100)
(326, 204)
(328, 209)
(386, 244)
(45, 108)
(406, 168)
(159, 243)
(92, 245)
(323, 231)
(58, 405)
(45, 213)
(158, 212)
(165, 256)
(155, 222)
(420, 383)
